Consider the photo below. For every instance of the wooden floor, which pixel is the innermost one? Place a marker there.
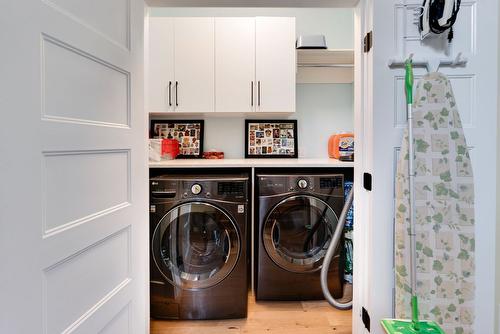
(311, 317)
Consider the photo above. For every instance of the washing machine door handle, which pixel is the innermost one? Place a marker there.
(275, 232)
(227, 245)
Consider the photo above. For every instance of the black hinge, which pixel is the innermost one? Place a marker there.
(368, 42)
(366, 318)
(367, 181)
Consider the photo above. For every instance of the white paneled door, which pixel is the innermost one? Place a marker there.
(194, 64)
(475, 88)
(73, 167)
(235, 64)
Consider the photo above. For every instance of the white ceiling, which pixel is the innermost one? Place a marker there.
(252, 3)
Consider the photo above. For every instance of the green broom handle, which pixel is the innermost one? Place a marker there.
(409, 102)
(414, 312)
(409, 81)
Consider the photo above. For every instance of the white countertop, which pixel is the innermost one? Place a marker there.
(249, 163)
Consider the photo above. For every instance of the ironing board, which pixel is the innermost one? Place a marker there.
(444, 207)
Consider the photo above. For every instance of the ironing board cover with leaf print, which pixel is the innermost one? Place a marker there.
(444, 209)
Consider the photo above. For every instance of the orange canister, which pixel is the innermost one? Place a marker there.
(341, 146)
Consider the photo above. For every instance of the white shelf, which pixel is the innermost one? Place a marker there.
(325, 57)
(214, 114)
(249, 163)
(325, 66)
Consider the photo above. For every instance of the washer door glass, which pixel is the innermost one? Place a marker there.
(195, 245)
(298, 231)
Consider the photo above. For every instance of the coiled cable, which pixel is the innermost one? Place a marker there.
(435, 12)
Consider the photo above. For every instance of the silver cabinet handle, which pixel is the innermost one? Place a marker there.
(176, 89)
(251, 93)
(170, 93)
(258, 92)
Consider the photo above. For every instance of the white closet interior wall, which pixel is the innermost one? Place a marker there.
(321, 109)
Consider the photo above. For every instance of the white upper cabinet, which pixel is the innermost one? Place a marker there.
(194, 64)
(161, 64)
(275, 64)
(234, 64)
(224, 64)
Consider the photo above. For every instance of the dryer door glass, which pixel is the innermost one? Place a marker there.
(196, 245)
(298, 231)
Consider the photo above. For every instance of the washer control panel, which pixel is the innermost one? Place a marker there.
(170, 188)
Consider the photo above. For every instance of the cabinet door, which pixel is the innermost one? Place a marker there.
(194, 64)
(161, 64)
(275, 64)
(234, 64)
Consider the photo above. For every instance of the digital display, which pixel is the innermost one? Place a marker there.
(231, 188)
(330, 182)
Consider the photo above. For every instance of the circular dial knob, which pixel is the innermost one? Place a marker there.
(302, 184)
(196, 189)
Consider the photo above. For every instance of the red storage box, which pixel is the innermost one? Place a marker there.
(213, 155)
(169, 149)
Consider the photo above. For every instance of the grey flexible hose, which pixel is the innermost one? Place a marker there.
(330, 253)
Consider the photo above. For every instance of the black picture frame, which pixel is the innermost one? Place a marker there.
(277, 150)
(198, 124)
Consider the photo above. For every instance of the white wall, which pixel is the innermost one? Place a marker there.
(322, 109)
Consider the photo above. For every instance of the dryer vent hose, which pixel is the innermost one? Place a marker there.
(330, 253)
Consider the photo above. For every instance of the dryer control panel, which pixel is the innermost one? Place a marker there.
(328, 184)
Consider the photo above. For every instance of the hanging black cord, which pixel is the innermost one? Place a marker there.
(421, 19)
(436, 9)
